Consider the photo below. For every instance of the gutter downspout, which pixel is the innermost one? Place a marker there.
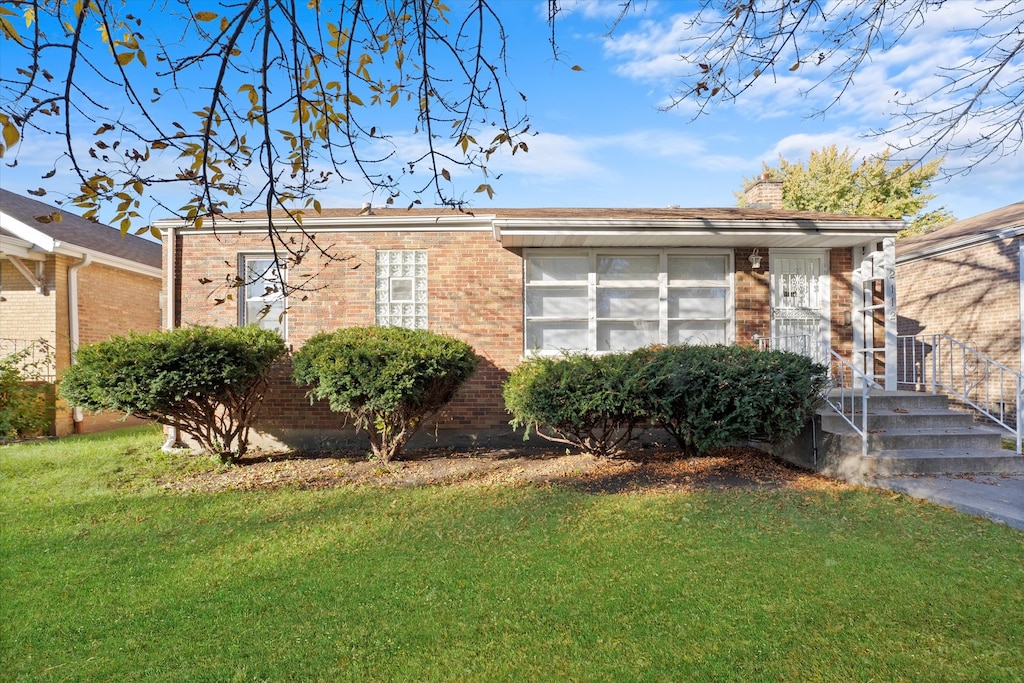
(173, 432)
(73, 324)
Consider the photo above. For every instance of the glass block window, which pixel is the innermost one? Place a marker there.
(598, 300)
(263, 300)
(401, 296)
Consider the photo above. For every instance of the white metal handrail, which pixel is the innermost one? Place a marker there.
(848, 387)
(934, 361)
(847, 384)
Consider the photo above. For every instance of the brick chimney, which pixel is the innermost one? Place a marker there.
(765, 193)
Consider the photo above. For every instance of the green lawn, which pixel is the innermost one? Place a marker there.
(107, 577)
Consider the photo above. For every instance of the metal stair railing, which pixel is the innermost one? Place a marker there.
(933, 361)
(847, 384)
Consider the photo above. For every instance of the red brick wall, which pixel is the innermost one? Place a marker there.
(973, 295)
(753, 298)
(474, 294)
(841, 293)
(112, 301)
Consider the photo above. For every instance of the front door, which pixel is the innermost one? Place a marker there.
(800, 301)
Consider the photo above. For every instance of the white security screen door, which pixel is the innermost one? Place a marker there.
(800, 301)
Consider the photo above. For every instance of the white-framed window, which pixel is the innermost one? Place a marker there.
(401, 288)
(600, 300)
(262, 301)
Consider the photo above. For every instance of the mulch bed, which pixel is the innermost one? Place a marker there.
(636, 471)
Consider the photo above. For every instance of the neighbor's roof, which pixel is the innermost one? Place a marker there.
(72, 234)
(999, 224)
(587, 227)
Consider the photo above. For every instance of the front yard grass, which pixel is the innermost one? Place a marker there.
(108, 576)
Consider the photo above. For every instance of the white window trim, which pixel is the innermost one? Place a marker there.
(663, 254)
(243, 299)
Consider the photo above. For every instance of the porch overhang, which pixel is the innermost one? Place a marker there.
(795, 233)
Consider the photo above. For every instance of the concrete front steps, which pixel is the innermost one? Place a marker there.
(912, 433)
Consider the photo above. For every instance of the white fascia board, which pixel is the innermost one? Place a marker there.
(526, 233)
(101, 258)
(383, 221)
(26, 232)
(31, 244)
(15, 246)
(27, 251)
(960, 244)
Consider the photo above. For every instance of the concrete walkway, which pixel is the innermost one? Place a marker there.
(997, 497)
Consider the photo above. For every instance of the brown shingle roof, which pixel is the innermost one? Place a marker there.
(79, 232)
(726, 214)
(1011, 216)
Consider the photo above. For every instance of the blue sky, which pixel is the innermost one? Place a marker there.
(600, 139)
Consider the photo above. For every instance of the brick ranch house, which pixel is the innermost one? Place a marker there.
(966, 281)
(516, 282)
(69, 281)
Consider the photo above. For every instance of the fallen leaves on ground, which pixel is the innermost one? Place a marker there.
(636, 471)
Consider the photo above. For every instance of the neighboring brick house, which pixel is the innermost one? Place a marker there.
(965, 280)
(69, 281)
(520, 281)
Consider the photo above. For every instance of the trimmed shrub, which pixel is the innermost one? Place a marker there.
(387, 380)
(590, 402)
(710, 396)
(26, 405)
(703, 396)
(209, 381)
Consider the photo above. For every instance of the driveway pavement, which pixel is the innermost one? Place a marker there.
(997, 497)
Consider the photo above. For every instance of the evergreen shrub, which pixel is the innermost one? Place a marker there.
(209, 381)
(387, 380)
(711, 396)
(705, 397)
(590, 402)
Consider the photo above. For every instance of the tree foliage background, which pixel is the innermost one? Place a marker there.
(833, 181)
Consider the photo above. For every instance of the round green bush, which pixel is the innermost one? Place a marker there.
(209, 381)
(710, 396)
(705, 397)
(387, 380)
(590, 402)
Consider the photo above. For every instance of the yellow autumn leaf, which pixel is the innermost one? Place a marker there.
(125, 57)
(206, 16)
(11, 134)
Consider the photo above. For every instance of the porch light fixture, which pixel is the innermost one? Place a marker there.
(755, 259)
